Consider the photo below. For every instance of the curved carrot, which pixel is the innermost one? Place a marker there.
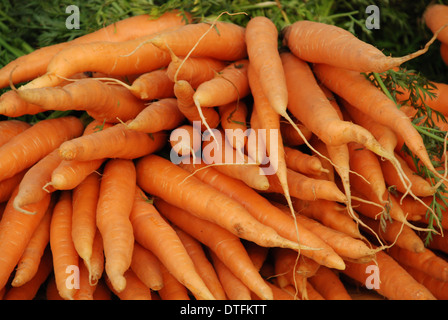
(302, 162)
(61, 243)
(153, 85)
(33, 144)
(161, 178)
(147, 267)
(112, 218)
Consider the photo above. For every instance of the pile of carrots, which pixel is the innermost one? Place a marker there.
(93, 208)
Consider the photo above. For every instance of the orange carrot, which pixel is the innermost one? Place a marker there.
(318, 42)
(153, 85)
(229, 85)
(135, 288)
(437, 287)
(224, 244)
(32, 255)
(34, 64)
(265, 212)
(202, 263)
(97, 259)
(290, 135)
(32, 186)
(8, 185)
(85, 200)
(159, 177)
(329, 285)
(33, 144)
(185, 141)
(16, 230)
(114, 142)
(172, 288)
(233, 121)
(388, 278)
(12, 105)
(146, 266)
(86, 288)
(426, 261)
(10, 128)
(51, 291)
(257, 254)
(102, 291)
(435, 18)
(112, 218)
(444, 55)
(302, 162)
(155, 234)
(159, 115)
(63, 250)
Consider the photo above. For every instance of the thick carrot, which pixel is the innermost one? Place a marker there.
(234, 288)
(29, 290)
(153, 85)
(328, 283)
(101, 100)
(318, 42)
(135, 288)
(8, 185)
(388, 278)
(437, 287)
(155, 234)
(229, 85)
(114, 142)
(159, 115)
(85, 200)
(34, 64)
(172, 288)
(33, 144)
(32, 186)
(427, 261)
(435, 18)
(114, 207)
(62, 247)
(10, 128)
(224, 244)
(146, 266)
(32, 255)
(302, 162)
(16, 230)
(265, 212)
(202, 263)
(163, 179)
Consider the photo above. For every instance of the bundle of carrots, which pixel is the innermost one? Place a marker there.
(94, 208)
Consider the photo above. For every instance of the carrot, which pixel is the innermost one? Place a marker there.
(256, 146)
(97, 259)
(184, 92)
(306, 188)
(32, 186)
(202, 263)
(329, 213)
(155, 234)
(290, 135)
(114, 142)
(16, 230)
(51, 291)
(10, 128)
(302, 162)
(34, 64)
(444, 54)
(112, 218)
(85, 200)
(229, 85)
(435, 18)
(224, 244)
(233, 121)
(162, 178)
(426, 261)
(29, 290)
(8, 185)
(437, 287)
(329, 285)
(12, 105)
(152, 85)
(234, 288)
(172, 288)
(159, 115)
(102, 291)
(265, 212)
(316, 42)
(185, 141)
(319, 148)
(390, 279)
(33, 144)
(135, 288)
(32, 255)
(146, 266)
(62, 247)
(257, 254)
(86, 288)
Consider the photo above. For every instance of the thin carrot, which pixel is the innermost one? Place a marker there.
(265, 212)
(10, 128)
(226, 245)
(147, 267)
(229, 85)
(172, 288)
(234, 288)
(31, 187)
(234, 122)
(318, 42)
(135, 288)
(86, 288)
(114, 142)
(16, 229)
(202, 263)
(62, 247)
(302, 162)
(159, 115)
(388, 278)
(161, 178)
(11, 105)
(155, 234)
(153, 85)
(33, 144)
(97, 260)
(85, 200)
(328, 283)
(114, 207)
(34, 251)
